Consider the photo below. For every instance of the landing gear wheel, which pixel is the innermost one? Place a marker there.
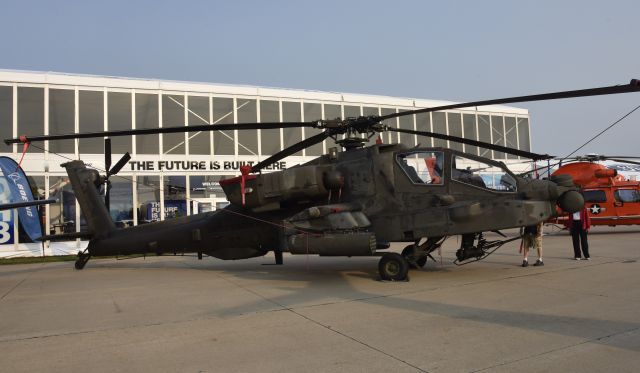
(393, 267)
(408, 254)
(82, 260)
(279, 257)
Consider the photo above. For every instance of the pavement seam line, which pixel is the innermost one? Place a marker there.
(557, 349)
(291, 310)
(283, 308)
(18, 284)
(327, 327)
(417, 291)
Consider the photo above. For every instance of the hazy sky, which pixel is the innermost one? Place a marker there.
(453, 50)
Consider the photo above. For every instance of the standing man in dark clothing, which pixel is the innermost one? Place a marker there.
(579, 224)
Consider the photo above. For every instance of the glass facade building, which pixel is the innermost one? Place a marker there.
(173, 175)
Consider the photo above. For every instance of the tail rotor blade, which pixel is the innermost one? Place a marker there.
(107, 199)
(107, 155)
(121, 163)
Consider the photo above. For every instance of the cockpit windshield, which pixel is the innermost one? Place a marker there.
(422, 167)
(480, 174)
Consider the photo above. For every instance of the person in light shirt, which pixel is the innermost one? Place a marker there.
(579, 224)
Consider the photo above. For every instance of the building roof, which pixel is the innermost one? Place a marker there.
(113, 82)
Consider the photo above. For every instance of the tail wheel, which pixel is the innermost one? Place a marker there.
(409, 254)
(393, 267)
(82, 260)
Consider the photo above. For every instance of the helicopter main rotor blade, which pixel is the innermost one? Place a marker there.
(315, 139)
(152, 131)
(633, 86)
(575, 159)
(622, 160)
(486, 145)
(620, 157)
(351, 125)
(362, 124)
(37, 202)
(599, 157)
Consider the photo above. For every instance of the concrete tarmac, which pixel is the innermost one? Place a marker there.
(178, 314)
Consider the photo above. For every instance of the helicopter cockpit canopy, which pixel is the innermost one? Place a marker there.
(422, 167)
(481, 174)
(425, 167)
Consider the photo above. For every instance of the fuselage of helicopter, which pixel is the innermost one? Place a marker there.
(376, 183)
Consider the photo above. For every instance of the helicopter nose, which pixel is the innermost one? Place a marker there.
(571, 201)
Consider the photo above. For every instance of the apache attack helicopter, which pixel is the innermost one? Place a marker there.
(344, 203)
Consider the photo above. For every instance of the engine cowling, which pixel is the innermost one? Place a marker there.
(297, 184)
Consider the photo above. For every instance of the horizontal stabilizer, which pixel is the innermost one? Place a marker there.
(37, 202)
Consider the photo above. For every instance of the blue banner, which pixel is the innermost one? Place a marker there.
(6, 216)
(21, 192)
